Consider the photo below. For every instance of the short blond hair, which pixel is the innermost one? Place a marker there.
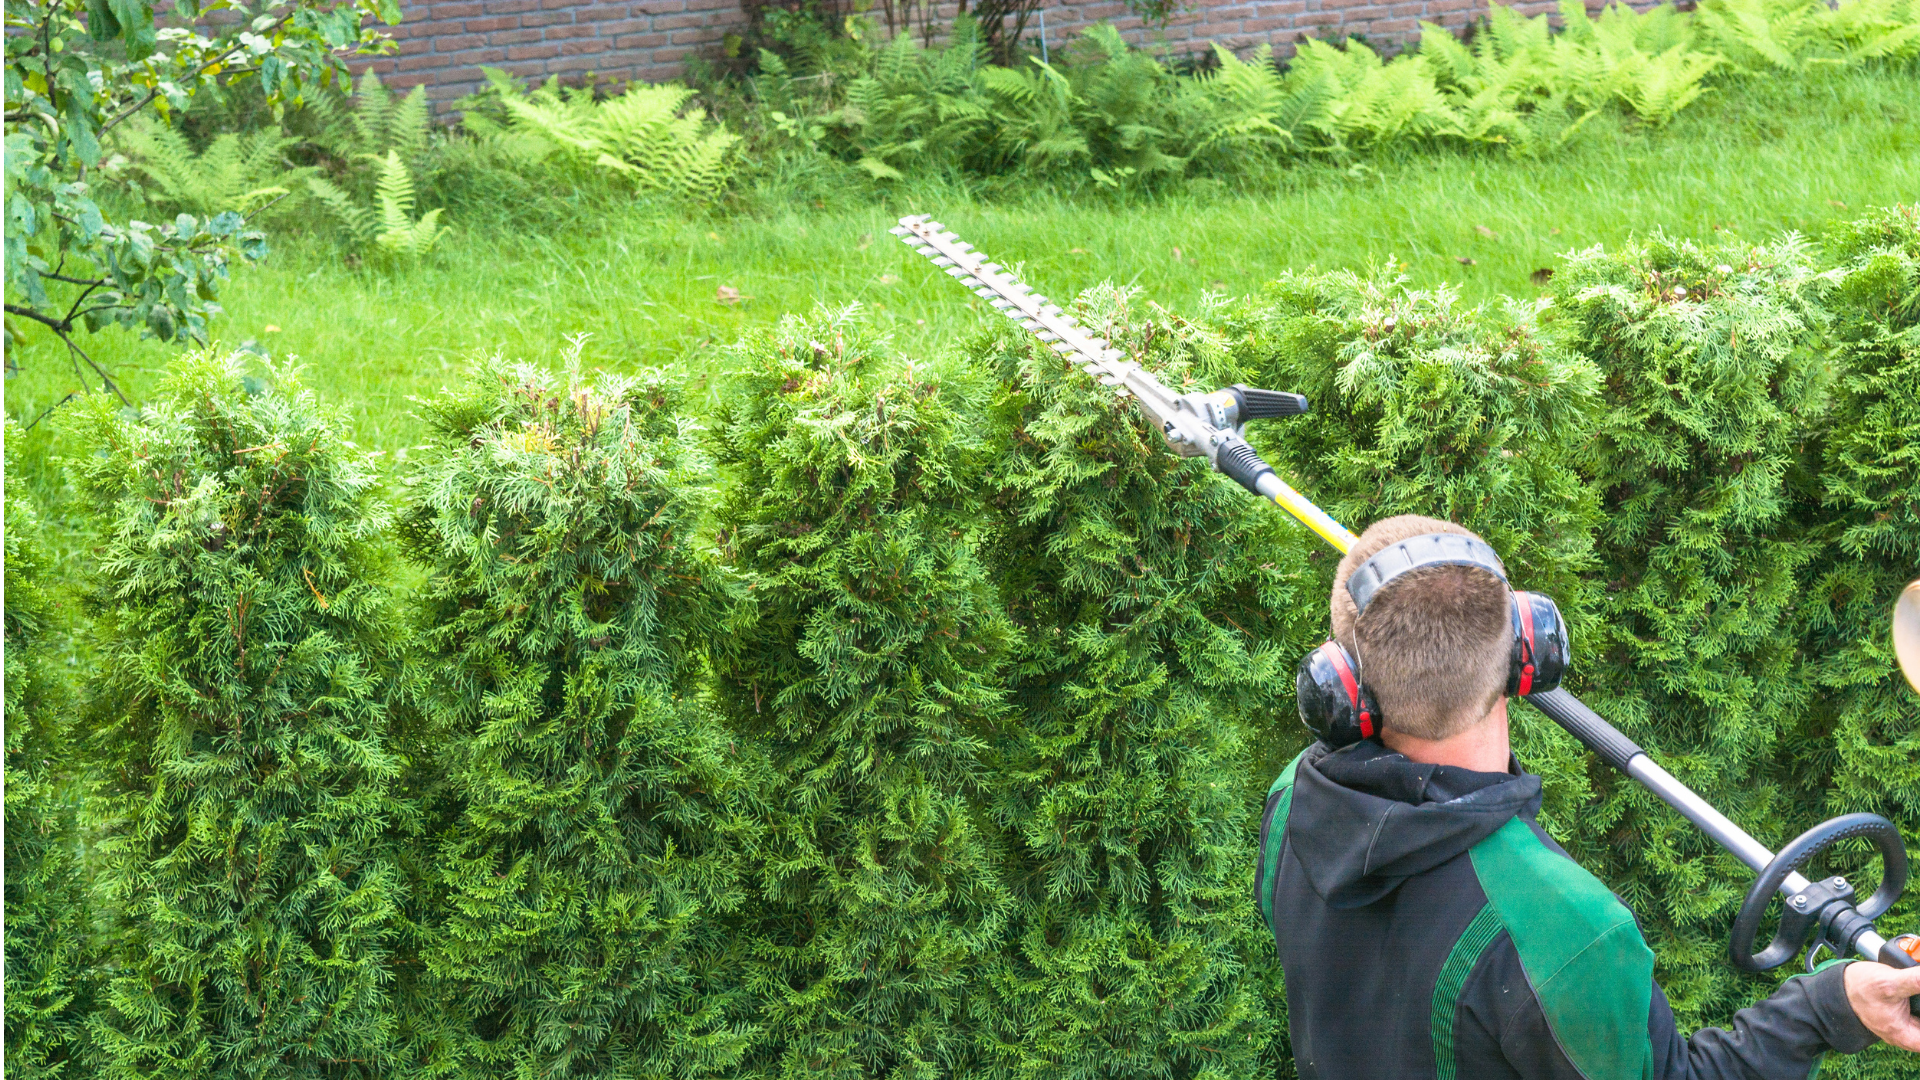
(1434, 645)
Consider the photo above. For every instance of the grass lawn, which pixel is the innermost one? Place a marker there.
(1752, 159)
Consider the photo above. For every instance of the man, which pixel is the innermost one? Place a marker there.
(1428, 926)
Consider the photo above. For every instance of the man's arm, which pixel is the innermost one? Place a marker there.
(1782, 1037)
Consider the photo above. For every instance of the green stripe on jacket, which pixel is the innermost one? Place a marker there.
(1276, 835)
(1472, 942)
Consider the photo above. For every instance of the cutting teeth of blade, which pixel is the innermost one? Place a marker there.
(1047, 335)
(942, 260)
(1122, 391)
(1109, 380)
(901, 230)
(1063, 347)
(998, 303)
(958, 271)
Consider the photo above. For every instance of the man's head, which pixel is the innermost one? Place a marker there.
(1434, 644)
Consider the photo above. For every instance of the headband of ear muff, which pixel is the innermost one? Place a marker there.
(1418, 553)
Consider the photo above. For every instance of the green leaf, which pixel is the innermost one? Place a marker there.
(136, 26)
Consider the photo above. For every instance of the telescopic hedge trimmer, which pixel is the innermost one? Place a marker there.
(1821, 913)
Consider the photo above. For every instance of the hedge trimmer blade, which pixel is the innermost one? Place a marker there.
(1017, 301)
(1195, 425)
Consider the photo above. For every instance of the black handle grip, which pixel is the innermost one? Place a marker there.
(1241, 463)
(1588, 726)
(1267, 404)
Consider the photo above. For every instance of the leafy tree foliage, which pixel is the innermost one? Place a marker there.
(1157, 607)
(78, 69)
(48, 934)
(246, 654)
(595, 809)
(868, 660)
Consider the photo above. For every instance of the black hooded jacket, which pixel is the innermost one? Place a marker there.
(1430, 928)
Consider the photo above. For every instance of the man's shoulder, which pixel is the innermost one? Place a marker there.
(1536, 888)
(1583, 954)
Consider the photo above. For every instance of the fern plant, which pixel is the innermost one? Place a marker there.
(244, 172)
(1248, 106)
(1791, 35)
(369, 123)
(388, 224)
(646, 136)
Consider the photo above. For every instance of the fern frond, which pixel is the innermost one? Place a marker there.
(358, 222)
(409, 126)
(395, 193)
(413, 240)
(235, 172)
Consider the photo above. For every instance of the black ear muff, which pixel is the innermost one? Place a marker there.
(1333, 703)
(1541, 645)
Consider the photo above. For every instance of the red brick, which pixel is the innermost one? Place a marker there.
(545, 18)
(624, 26)
(470, 59)
(639, 41)
(587, 47)
(676, 22)
(520, 69)
(532, 52)
(490, 24)
(515, 37)
(456, 42)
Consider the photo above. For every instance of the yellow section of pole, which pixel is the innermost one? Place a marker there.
(1313, 517)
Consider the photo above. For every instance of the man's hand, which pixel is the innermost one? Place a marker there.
(1879, 996)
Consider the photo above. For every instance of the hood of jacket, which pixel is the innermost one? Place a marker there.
(1364, 818)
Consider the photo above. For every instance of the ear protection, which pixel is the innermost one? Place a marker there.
(1334, 702)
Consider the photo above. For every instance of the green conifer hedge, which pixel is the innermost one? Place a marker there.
(922, 730)
(48, 931)
(1160, 616)
(246, 811)
(870, 661)
(592, 809)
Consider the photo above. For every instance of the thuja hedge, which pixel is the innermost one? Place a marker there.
(910, 716)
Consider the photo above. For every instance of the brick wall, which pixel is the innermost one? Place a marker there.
(444, 43)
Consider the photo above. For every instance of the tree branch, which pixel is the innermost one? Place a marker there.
(16, 309)
(48, 411)
(68, 320)
(60, 330)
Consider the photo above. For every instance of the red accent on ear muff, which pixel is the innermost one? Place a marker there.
(1338, 657)
(1525, 605)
